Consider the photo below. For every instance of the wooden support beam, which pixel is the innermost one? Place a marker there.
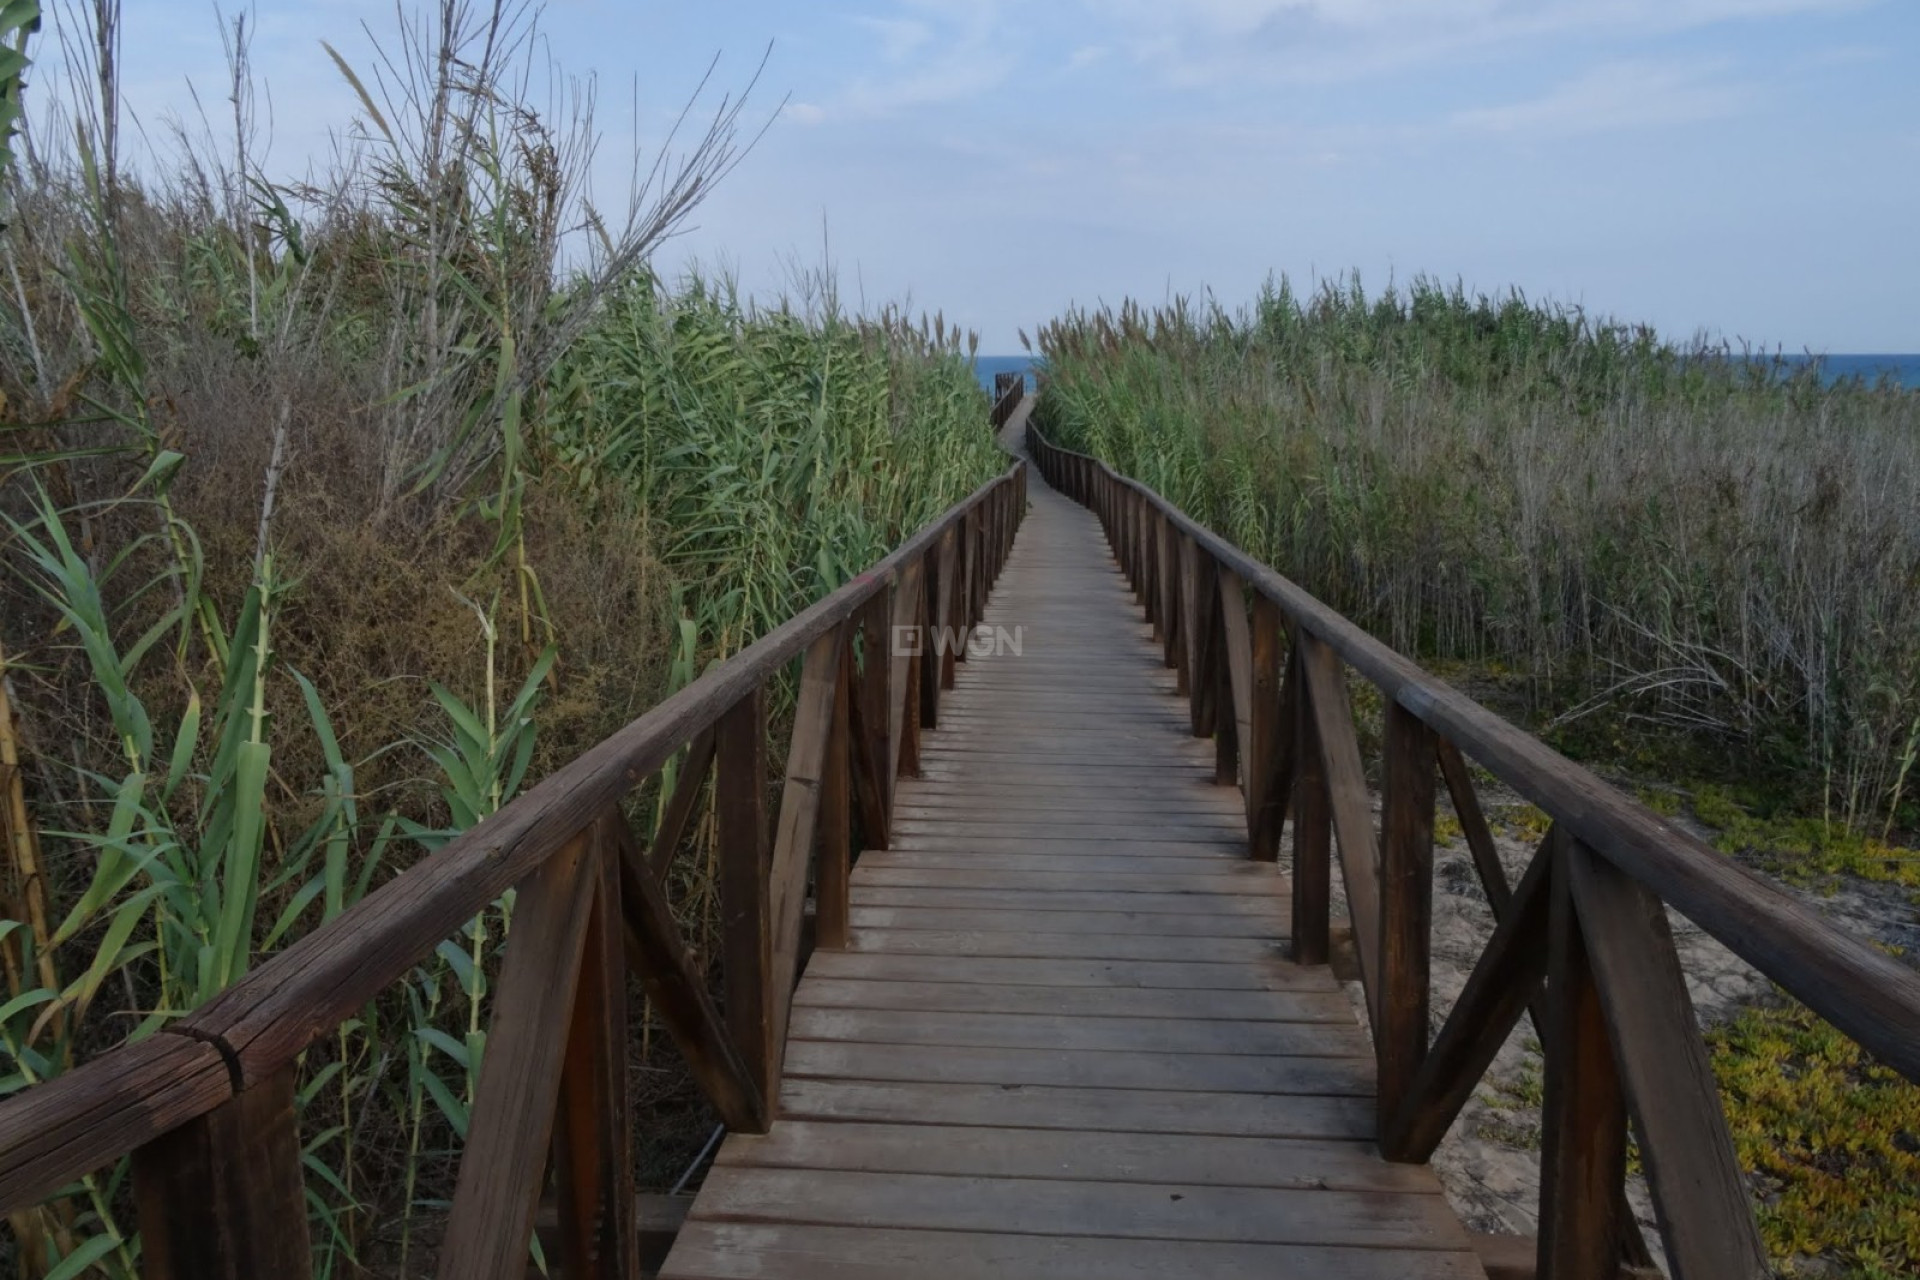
(1473, 822)
(676, 988)
(875, 696)
(1352, 810)
(504, 1163)
(813, 718)
(1503, 984)
(833, 873)
(223, 1196)
(593, 1139)
(745, 863)
(680, 807)
(903, 690)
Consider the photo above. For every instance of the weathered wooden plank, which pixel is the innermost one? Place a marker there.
(1040, 1031)
(715, 1250)
(1059, 1207)
(223, 1196)
(1247, 972)
(1080, 1001)
(504, 1162)
(1082, 1069)
(1250, 904)
(1212, 877)
(1138, 923)
(1065, 946)
(1050, 1107)
(1049, 1154)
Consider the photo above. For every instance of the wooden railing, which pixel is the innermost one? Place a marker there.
(206, 1106)
(1582, 942)
(1008, 390)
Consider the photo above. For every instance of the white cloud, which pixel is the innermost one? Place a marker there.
(1616, 96)
(947, 51)
(1203, 41)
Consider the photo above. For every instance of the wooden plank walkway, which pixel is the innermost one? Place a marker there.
(1066, 1041)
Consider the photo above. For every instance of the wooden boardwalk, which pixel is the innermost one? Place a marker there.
(1065, 1040)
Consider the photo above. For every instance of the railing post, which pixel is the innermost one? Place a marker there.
(1406, 907)
(1268, 752)
(1583, 1120)
(873, 721)
(745, 863)
(593, 1133)
(833, 872)
(1312, 834)
(223, 1197)
(1202, 644)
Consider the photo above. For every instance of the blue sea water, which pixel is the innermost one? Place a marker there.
(986, 366)
(1902, 370)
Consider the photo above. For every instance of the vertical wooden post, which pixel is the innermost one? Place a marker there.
(1406, 907)
(832, 873)
(876, 704)
(745, 862)
(516, 1099)
(1268, 748)
(947, 626)
(1202, 644)
(593, 1132)
(966, 567)
(1583, 1120)
(223, 1197)
(1187, 568)
(1312, 835)
(903, 656)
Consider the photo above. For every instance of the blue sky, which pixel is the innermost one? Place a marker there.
(1746, 167)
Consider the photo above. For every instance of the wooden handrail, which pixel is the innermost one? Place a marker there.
(214, 1087)
(1588, 920)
